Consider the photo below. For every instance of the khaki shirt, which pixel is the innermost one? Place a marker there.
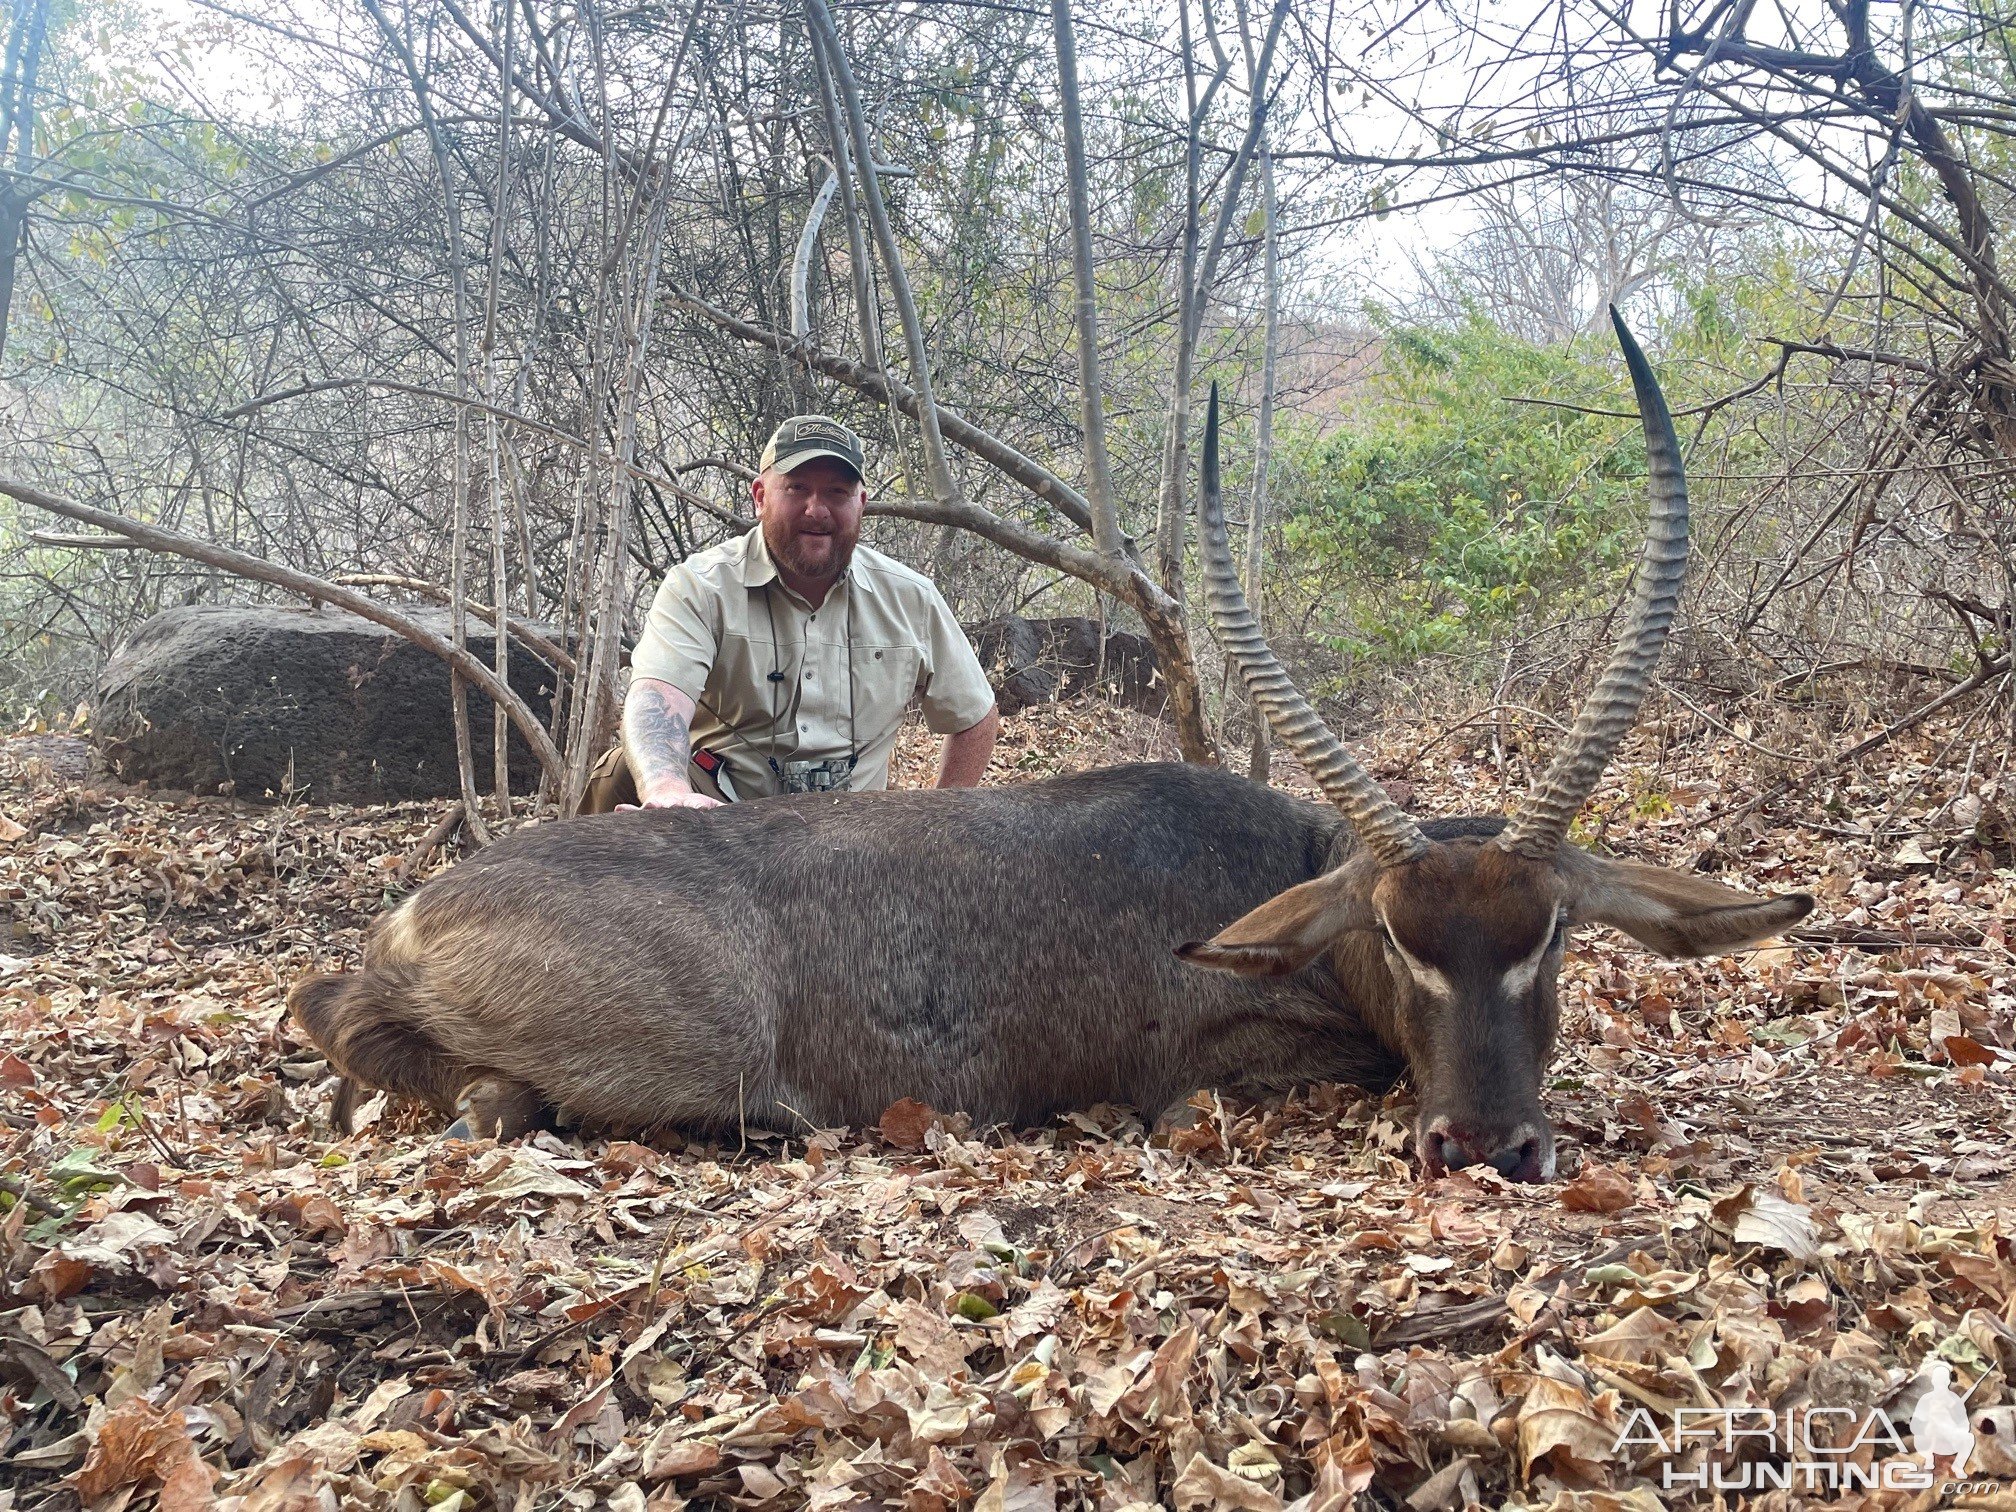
(709, 636)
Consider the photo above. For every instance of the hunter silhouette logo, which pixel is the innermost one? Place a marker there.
(1939, 1423)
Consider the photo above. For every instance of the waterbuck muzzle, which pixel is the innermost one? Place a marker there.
(1448, 936)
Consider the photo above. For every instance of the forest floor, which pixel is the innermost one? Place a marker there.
(1787, 1183)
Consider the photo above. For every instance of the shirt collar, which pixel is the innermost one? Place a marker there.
(759, 568)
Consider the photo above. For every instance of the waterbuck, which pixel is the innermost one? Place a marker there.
(1012, 952)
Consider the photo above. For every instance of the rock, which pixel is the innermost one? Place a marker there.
(61, 758)
(1052, 660)
(259, 700)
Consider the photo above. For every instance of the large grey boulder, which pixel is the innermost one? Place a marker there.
(1039, 661)
(259, 700)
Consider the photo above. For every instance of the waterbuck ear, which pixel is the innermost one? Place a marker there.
(1288, 931)
(1673, 912)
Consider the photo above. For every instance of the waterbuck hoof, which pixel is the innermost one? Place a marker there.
(496, 1107)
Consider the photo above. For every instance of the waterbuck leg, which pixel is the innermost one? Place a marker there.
(343, 1112)
(497, 1107)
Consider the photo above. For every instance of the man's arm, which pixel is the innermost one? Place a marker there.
(964, 760)
(955, 692)
(657, 738)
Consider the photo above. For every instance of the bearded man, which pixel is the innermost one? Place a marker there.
(782, 661)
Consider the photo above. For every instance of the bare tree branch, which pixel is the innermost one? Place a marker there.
(308, 586)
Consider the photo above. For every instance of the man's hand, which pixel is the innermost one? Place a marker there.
(685, 799)
(657, 718)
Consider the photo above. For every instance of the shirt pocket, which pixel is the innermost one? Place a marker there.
(739, 691)
(885, 680)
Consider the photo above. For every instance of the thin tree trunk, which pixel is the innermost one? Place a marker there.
(458, 611)
(857, 242)
(589, 520)
(17, 131)
(1098, 479)
(1258, 766)
(1199, 277)
(801, 261)
(935, 460)
(1169, 503)
(500, 592)
(465, 756)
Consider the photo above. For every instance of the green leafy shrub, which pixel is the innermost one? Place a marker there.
(1446, 512)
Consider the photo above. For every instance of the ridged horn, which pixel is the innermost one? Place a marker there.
(1383, 828)
(1537, 830)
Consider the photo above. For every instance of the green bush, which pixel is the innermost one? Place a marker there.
(1446, 512)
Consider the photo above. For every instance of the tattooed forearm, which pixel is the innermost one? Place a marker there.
(657, 735)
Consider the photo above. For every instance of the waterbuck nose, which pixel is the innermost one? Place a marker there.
(1521, 1156)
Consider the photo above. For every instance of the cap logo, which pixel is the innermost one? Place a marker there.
(803, 434)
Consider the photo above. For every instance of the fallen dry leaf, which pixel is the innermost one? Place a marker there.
(1598, 1189)
(1761, 1216)
(137, 1444)
(1017, 1488)
(905, 1123)
(1203, 1484)
(1561, 1421)
(684, 1457)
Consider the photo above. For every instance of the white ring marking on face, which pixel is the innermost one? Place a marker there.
(1430, 979)
(1519, 980)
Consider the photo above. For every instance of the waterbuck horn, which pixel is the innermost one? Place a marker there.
(1380, 824)
(1537, 829)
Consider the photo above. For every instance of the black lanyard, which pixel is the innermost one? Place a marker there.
(777, 686)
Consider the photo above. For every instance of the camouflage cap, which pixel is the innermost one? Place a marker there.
(803, 437)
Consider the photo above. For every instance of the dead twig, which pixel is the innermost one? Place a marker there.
(1489, 711)
(1693, 708)
(1984, 674)
(1422, 1328)
(544, 645)
(357, 1301)
(432, 841)
(1867, 939)
(14, 1187)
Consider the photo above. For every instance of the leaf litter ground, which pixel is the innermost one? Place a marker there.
(1787, 1183)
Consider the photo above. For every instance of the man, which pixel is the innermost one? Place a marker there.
(783, 660)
